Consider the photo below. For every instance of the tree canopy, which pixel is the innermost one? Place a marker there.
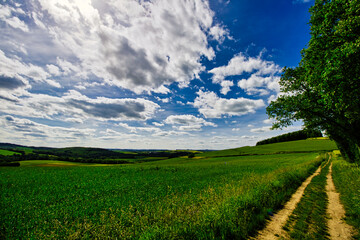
(324, 89)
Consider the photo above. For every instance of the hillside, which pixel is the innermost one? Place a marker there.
(309, 145)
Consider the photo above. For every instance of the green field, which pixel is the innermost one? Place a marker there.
(7, 152)
(310, 145)
(181, 198)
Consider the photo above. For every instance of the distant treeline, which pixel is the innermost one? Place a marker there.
(293, 136)
(90, 155)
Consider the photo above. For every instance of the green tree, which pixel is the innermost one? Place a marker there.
(324, 90)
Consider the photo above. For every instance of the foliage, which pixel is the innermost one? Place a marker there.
(298, 135)
(86, 155)
(9, 164)
(4, 152)
(346, 178)
(181, 198)
(323, 90)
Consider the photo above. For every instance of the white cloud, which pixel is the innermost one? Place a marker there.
(75, 105)
(219, 33)
(14, 67)
(158, 124)
(54, 70)
(136, 129)
(226, 86)
(187, 122)
(106, 39)
(268, 121)
(264, 74)
(260, 85)
(261, 130)
(212, 106)
(28, 129)
(240, 64)
(301, 1)
(8, 15)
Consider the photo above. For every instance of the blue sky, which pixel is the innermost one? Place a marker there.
(162, 74)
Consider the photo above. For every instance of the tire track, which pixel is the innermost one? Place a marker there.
(273, 229)
(338, 228)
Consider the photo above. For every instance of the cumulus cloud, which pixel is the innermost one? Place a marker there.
(187, 122)
(14, 67)
(226, 85)
(260, 85)
(27, 128)
(10, 15)
(264, 74)
(212, 106)
(75, 105)
(106, 39)
(240, 64)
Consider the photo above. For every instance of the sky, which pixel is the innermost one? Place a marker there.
(145, 74)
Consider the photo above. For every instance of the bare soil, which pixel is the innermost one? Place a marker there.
(338, 228)
(273, 229)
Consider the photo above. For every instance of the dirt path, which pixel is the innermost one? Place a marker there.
(338, 229)
(274, 227)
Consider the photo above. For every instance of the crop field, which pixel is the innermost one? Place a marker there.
(310, 145)
(7, 152)
(182, 198)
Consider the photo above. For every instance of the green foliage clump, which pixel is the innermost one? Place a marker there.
(324, 89)
(293, 136)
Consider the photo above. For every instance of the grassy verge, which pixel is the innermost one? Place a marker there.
(308, 221)
(347, 182)
(178, 199)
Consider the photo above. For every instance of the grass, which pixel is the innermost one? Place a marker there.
(53, 163)
(183, 198)
(308, 221)
(346, 178)
(7, 152)
(311, 145)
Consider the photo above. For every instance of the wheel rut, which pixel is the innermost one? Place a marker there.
(338, 228)
(273, 228)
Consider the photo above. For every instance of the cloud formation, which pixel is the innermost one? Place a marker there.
(264, 74)
(10, 83)
(107, 39)
(28, 129)
(187, 122)
(73, 105)
(212, 106)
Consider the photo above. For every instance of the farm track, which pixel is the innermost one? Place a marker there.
(273, 229)
(338, 228)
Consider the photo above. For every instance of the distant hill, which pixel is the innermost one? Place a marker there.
(309, 145)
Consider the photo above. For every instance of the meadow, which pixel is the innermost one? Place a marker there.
(217, 197)
(7, 152)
